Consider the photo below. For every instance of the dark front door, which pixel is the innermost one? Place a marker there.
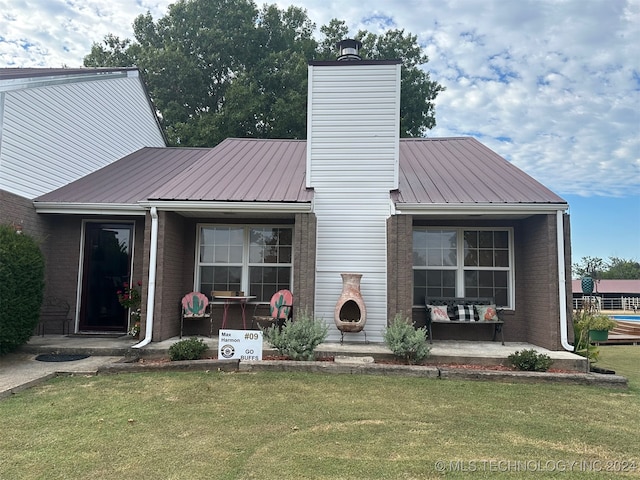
(107, 263)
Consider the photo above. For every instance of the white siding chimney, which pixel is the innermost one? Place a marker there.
(353, 130)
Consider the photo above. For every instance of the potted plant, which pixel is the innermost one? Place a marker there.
(598, 327)
(129, 297)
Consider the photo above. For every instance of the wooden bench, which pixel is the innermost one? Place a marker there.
(54, 310)
(452, 303)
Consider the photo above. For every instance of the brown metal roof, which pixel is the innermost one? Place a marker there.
(244, 170)
(440, 171)
(610, 286)
(463, 170)
(129, 180)
(235, 170)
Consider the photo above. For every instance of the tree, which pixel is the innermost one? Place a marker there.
(589, 266)
(223, 68)
(615, 269)
(619, 268)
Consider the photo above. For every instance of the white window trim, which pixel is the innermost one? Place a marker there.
(460, 268)
(246, 227)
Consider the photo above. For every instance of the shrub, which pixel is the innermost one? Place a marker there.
(598, 322)
(297, 339)
(406, 342)
(187, 349)
(21, 288)
(583, 321)
(530, 360)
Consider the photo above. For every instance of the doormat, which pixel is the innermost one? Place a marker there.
(60, 357)
(97, 335)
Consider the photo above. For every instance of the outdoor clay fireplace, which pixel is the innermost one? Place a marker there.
(350, 313)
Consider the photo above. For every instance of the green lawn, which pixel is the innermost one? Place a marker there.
(214, 425)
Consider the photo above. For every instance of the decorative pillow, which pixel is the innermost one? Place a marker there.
(487, 313)
(439, 313)
(465, 313)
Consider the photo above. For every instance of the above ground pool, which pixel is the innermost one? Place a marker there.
(627, 318)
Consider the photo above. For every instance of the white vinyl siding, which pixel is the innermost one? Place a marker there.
(352, 164)
(55, 134)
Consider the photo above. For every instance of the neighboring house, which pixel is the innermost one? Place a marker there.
(613, 294)
(415, 217)
(58, 125)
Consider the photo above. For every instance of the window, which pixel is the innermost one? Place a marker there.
(253, 259)
(462, 262)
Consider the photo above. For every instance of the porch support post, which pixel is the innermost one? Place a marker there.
(562, 282)
(151, 290)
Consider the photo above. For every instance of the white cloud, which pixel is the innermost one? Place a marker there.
(553, 86)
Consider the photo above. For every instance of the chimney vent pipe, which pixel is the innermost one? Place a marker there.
(349, 49)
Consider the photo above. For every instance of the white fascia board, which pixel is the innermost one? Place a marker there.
(445, 209)
(244, 207)
(90, 75)
(89, 208)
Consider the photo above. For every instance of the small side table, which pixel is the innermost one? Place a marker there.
(228, 300)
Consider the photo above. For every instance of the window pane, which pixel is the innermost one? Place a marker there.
(285, 255)
(501, 239)
(440, 283)
(471, 257)
(235, 254)
(221, 254)
(206, 254)
(255, 254)
(419, 257)
(265, 281)
(485, 239)
(470, 239)
(485, 258)
(501, 258)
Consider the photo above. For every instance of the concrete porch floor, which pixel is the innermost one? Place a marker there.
(442, 351)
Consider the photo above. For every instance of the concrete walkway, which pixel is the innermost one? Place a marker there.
(20, 370)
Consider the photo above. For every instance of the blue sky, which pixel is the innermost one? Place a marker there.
(552, 86)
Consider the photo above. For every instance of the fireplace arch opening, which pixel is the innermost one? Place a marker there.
(350, 312)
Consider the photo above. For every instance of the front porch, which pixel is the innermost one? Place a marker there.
(443, 352)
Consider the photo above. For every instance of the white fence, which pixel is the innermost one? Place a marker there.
(618, 303)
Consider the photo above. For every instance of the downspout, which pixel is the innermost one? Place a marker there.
(151, 291)
(562, 283)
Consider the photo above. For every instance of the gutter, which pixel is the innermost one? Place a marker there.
(228, 207)
(151, 292)
(447, 209)
(562, 283)
(75, 208)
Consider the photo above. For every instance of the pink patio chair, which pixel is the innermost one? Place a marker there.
(280, 310)
(195, 305)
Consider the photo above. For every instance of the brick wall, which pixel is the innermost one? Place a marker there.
(399, 256)
(537, 305)
(19, 212)
(170, 273)
(304, 261)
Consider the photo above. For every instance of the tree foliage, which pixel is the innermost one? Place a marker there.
(613, 269)
(224, 68)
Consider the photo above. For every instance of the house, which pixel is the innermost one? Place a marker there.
(415, 217)
(612, 294)
(58, 125)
